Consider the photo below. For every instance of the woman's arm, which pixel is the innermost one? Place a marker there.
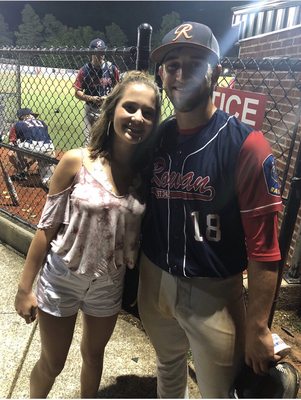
(25, 301)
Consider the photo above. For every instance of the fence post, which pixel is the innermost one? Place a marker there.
(2, 114)
(293, 203)
(143, 46)
(19, 94)
(293, 275)
(288, 222)
(294, 136)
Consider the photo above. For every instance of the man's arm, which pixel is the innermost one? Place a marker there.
(116, 74)
(80, 94)
(262, 281)
(260, 202)
(12, 136)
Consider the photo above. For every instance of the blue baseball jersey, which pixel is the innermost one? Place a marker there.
(97, 81)
(199, 192)
(30, 130)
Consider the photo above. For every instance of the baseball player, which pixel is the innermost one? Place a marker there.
(93, 83)
(32, 134)
(212, 213)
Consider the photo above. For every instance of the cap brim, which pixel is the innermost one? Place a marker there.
(98, 48)
(161, 52)
(31, 113)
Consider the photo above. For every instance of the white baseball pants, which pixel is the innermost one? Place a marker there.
(206, 315)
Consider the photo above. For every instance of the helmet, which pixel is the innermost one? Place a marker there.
(97, 44)
(281, 382)
(25, 111)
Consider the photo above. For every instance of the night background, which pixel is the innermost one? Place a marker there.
(128, 15)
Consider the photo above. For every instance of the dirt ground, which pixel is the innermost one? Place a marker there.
(31, 195)
(287, 324)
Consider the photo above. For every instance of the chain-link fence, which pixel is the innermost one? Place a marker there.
(43, 81)
(278, 79)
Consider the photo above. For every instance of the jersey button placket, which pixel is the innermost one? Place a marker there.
(176, 228)
(178, 158)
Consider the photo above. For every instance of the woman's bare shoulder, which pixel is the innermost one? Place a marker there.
(73, 156)
(66, 170)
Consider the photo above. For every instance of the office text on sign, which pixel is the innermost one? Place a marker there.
(248, 107)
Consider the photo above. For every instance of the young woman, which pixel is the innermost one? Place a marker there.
(87, 235)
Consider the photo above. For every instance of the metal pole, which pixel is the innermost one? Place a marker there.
(292, 208)
(143, 46)
(293, 275)
(289, 218)
(19, 94)
(294, 136)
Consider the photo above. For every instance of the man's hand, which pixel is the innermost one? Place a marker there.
(98, 100)
(259, 352)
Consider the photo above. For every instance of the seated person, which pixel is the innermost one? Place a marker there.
(31, 134)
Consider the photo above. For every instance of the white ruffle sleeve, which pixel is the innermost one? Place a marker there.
(56, 210)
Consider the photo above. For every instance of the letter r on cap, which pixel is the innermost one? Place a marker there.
(183, 30)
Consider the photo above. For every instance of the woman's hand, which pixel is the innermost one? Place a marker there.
(26, 305)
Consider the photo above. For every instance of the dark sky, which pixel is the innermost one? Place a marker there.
(127, 14)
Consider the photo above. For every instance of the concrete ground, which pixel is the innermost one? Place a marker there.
(129, 367)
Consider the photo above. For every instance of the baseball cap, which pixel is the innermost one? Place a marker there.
(25, 111)
(191, 34)
(97, 44)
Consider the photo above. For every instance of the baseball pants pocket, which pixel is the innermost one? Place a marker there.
(167, 336)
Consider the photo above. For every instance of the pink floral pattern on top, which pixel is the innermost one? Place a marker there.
(99, 230)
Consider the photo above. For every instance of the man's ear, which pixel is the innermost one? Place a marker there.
(160, 72)
(216, 72)
(159, 76)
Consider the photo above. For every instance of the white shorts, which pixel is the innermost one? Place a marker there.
(38, 147)
(46, 169)
(61, 292)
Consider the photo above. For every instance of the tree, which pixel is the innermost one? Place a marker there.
(5, 34)
(54, 30)
(30, 32)
(115, 36)
(78, 37)
(169, 21)
(84, 35)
